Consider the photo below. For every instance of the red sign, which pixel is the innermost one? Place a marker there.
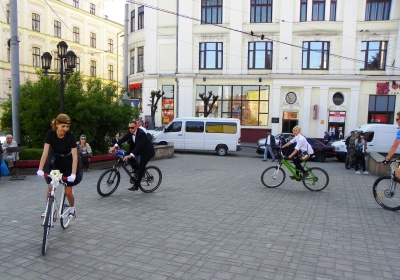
(133, 86)
(382, 88)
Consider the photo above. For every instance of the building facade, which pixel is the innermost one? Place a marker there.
(80, 23)
(325, 65)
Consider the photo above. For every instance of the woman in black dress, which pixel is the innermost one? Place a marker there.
(60, 146)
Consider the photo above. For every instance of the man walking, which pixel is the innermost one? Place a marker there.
(269, 143)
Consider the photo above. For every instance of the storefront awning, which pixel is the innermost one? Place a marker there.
(133, 86)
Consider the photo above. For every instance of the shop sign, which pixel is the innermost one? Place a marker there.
(385, 88)
(133, 86)
(336, 116)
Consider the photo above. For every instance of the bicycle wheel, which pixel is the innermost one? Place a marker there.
(317, 180)
(151, 180)
(47, 224)
(108, 182)
(386, 193)
(273, 177)
(64, 220)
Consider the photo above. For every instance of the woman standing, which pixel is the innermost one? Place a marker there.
(86, 152)
(60, 152)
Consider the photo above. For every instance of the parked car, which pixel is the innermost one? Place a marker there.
(341, 150)
(321, 151)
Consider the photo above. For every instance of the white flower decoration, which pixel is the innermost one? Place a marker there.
(56, 176)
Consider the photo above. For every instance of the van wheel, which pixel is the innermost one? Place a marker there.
(221, 151)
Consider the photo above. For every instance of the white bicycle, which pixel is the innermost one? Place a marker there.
(52, 214)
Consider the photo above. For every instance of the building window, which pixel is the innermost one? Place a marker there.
(381, 109)
(318, 10)
(92, 68)
(57, 29)
(261, 11)
(8, 12)
(211, 11)
(132, 66)
(303, 10)
(377, 10)
(316, 55)
(260, 55)
(56, 61)
(35, 22)
(111, 72)
(78, 64)
(110, 45)
(133, 21)
(140, 64)
(210, 55)
(76, 3)
(76, 34)
(140, 18)
(36, 56)
(167, 108)
(92, 39)
(338, 98)
(250, 104)
(373, 55)
(92, 9)
(333, 10)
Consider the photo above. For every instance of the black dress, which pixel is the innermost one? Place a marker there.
(61, 149)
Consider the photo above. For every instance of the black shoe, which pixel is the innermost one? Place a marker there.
(292, 177)
(305, 175)
(273, 160)
(133, 188)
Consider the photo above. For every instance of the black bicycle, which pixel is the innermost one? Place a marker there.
(109, 180)
(385, 189)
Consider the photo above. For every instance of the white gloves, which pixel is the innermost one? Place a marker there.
(40, 173)
(71, 178)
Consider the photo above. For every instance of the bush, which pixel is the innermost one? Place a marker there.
(31, 154)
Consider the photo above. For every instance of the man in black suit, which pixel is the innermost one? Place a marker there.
(140, 145)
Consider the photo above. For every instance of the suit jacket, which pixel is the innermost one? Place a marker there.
(141, 146)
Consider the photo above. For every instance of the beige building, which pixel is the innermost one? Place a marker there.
(82, 24)
(321, 64)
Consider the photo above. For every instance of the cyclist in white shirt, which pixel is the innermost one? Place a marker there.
(301, 146)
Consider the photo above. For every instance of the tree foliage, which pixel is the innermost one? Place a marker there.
(96, 112)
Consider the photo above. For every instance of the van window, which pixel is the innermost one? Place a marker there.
(174, 127)
(193, 126)
(221, 127)
(369, 136)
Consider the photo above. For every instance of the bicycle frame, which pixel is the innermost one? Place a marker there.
(296, 172)
(58, 213)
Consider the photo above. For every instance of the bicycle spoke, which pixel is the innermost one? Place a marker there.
(387, 193)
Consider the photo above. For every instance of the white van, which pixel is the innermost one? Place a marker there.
(379, 138)
(205, 134)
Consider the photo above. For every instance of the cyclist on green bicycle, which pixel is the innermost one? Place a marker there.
(393, 149)
(301, 146)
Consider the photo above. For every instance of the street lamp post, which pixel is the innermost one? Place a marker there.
(66, 57)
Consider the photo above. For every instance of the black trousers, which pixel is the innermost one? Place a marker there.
(140, 167)
(297, 162)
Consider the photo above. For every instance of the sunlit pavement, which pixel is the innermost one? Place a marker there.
(211, 218)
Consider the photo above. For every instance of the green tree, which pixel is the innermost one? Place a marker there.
(96, 112)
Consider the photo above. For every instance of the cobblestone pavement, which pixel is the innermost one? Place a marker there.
(211, 218)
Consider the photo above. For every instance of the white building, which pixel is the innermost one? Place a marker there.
(43, 24)
(320, 64)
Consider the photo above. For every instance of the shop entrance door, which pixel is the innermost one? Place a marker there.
(336, 124)
(289, 121)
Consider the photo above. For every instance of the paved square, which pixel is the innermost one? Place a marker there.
(211, 218)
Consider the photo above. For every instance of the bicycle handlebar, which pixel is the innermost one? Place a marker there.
(63, 178)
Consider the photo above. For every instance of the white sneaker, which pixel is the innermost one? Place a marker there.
(365, 172)
(357, 172)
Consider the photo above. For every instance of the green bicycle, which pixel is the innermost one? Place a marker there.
(274, 176)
